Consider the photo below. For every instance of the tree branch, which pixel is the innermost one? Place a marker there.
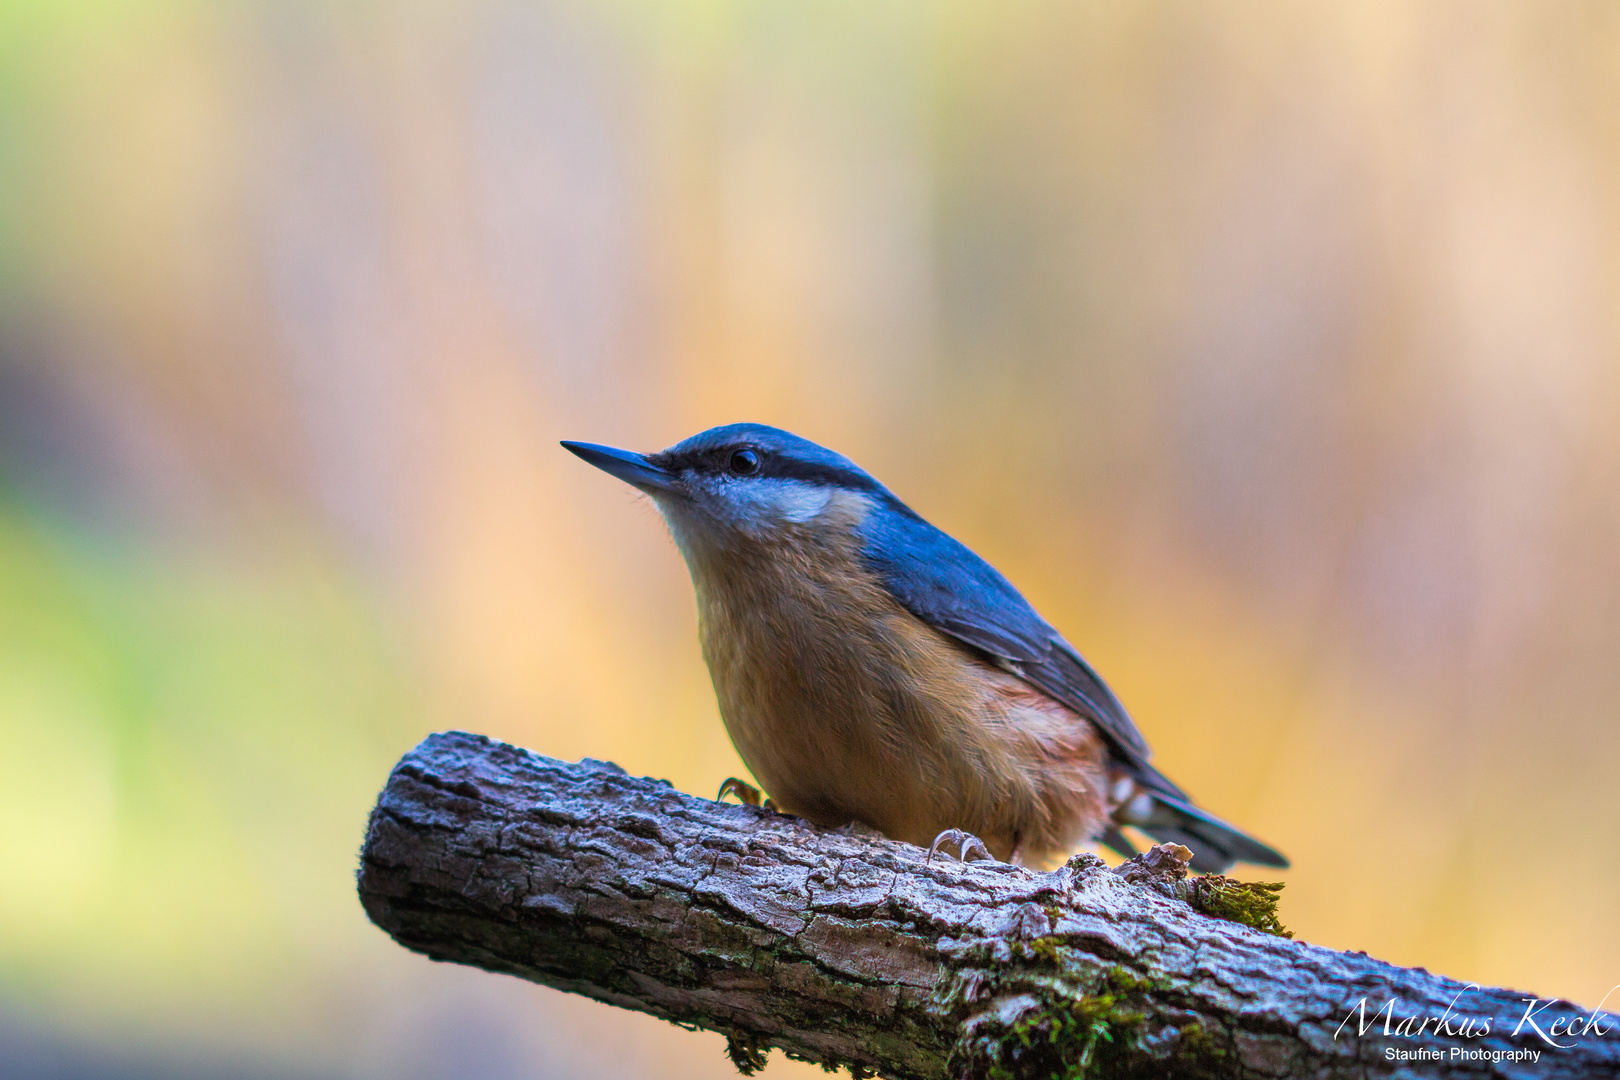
(852, 949)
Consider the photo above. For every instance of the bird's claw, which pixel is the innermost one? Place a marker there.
(970, 845)
(746, 793)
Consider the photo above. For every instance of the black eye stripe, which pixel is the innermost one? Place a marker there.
(813, 473)
(715, 461)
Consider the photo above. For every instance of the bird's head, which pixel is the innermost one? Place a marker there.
(743, 483)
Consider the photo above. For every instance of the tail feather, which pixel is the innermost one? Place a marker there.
(1117, 842)
(1215, 844)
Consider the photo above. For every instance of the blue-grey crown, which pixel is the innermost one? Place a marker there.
(782, 454)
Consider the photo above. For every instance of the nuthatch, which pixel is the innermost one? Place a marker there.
(872, 669)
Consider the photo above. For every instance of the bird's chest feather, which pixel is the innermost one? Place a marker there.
(847, 707)
(832, 692)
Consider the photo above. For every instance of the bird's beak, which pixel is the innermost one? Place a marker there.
(627, 465)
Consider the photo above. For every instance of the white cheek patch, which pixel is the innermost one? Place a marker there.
(722, 509)
(760, 505)
(793, 500)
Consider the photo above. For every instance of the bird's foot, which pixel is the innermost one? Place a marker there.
(746, 793)
(970, 845)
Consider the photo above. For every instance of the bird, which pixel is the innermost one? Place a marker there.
(872, 670)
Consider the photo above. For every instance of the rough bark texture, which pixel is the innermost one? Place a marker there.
(851, 949)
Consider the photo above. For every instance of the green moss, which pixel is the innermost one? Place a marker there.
(747, 1052)
(1064, 1040)
(1197, 1052)
(1082, 1022)
(858, 1072)
(1251, 903)
(1069, 1036)
(1047, 949)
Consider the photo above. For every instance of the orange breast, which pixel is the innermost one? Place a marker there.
(846, 707)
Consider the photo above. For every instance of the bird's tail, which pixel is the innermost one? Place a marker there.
(1173, 819)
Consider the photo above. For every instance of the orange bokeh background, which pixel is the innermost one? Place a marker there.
(1272, 351)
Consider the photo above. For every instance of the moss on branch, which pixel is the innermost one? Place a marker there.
(852, 950)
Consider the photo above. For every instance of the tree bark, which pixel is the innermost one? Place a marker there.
(849, 949)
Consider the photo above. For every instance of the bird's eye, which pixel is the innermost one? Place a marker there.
(744, 463)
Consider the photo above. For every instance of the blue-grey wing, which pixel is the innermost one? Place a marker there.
(942, 582)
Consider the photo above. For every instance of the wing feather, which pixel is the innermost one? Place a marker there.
(942, 582)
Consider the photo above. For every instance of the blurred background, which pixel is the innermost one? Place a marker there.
(1271, 350)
